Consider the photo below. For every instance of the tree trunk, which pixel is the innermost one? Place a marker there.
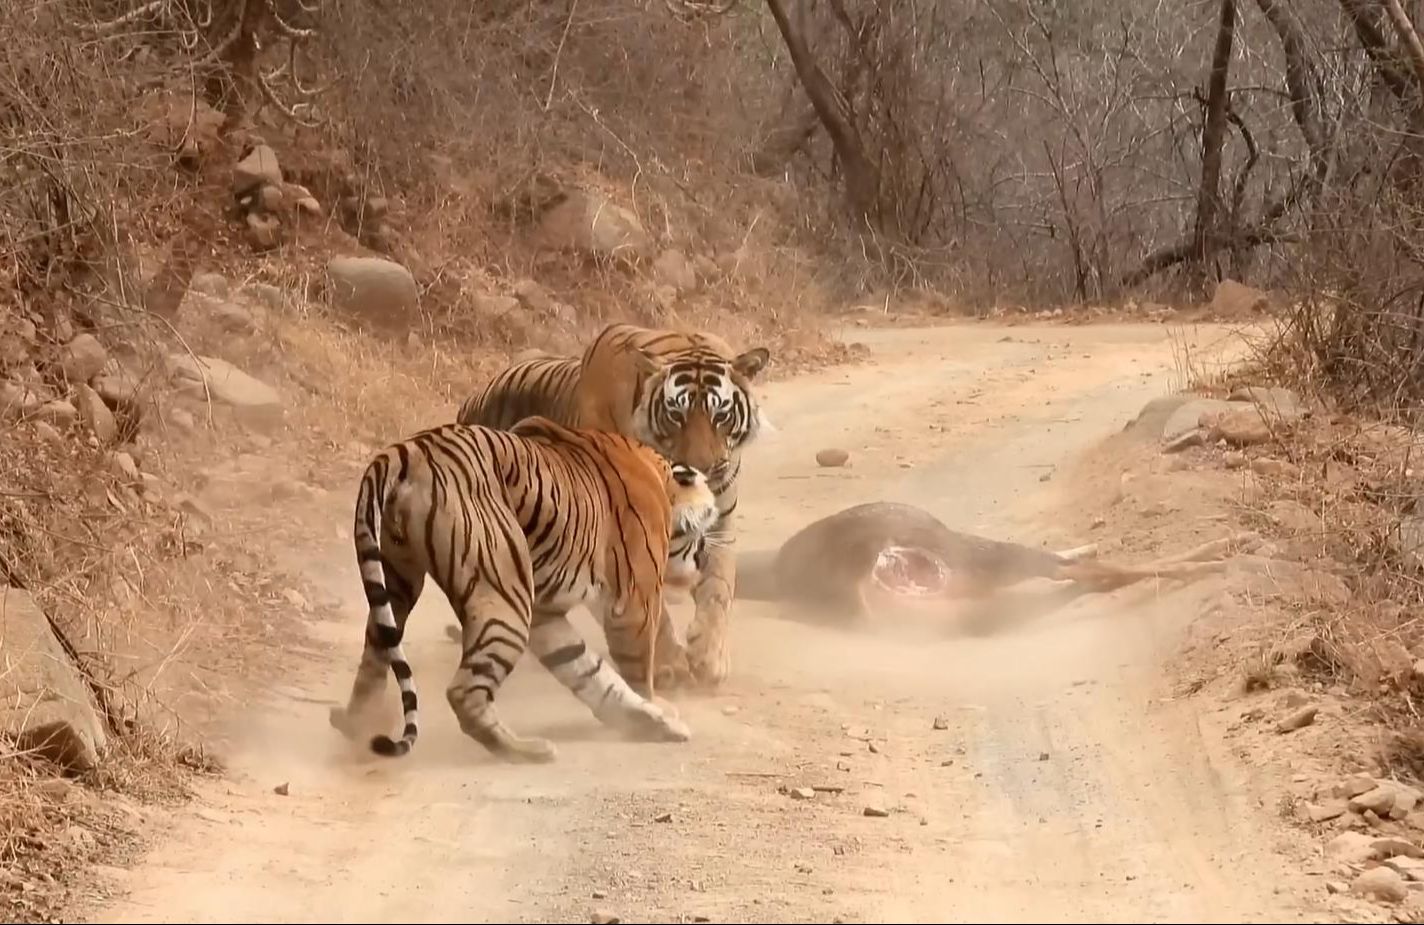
(862, 181)
(1205, 234)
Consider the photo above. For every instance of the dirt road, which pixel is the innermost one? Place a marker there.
(1067, 786)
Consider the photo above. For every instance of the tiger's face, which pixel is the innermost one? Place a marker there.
(701, 411)
(694, 515)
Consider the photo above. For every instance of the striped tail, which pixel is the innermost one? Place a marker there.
(383, 633)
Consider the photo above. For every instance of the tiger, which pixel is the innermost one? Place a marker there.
(689, 396)
(517, 527)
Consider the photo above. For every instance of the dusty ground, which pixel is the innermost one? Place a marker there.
(1069, 785)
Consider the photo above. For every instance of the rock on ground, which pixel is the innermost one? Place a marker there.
(588, 223)
(258, 168)
(95, 414)
(58, 412)
(832, 457)
(213, 284)
(226, 383)
(1239, 426)
(1350, 848)
(379, 289)
(44, 702)
(1381, 883)
(1233, 298)
(17, 400)
(83, 358)
(673, 269)
(1188, 416)
(1273, 401)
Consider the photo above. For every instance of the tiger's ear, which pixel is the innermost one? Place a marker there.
(751, 363)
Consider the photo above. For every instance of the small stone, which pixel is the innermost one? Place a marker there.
(1350, 848)
(1381, 883)
(730, 709)
(122, 465)
(1336, 886)
(940, 724)
(1043, 756)
(258, 168)
(663, 817)
(832, 458)
(233, 318)
(94, 413)
(1277, 468)
(599, 894)
(1244, 427)
(1298, 720)
(874, 749)
(672, 268)
(802, 793)
(1378, 800)
(1396, 847)
(842, 765)
(270, 198)
(262, 230)
(875, 811)
(59, 412)
(1410, 868)
(604, 918)
(1356, 785)
(83, 358)
(281, 789)
(182, 419)
(116, 385)
(1324, 812)
(213, 284)
(946, 763)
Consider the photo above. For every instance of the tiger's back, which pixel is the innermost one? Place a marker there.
(516, 528)
(542, 387)
(689, 396)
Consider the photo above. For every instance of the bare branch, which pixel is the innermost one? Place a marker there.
(1409, 37)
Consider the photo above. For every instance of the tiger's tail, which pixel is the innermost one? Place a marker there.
(383, 632)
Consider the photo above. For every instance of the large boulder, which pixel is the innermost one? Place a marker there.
(379, 289)
(228, 385)
(45, 705)
(588, 223)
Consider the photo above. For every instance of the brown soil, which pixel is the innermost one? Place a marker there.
(1041, 766)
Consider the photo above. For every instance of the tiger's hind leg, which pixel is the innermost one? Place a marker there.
(403, 584)
(494, 636)
(597, 684)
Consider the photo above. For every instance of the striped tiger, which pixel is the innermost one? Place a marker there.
(516, 528)
(688, 396)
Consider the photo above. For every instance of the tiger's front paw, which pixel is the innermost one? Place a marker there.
(709, 658)
(673, 671)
